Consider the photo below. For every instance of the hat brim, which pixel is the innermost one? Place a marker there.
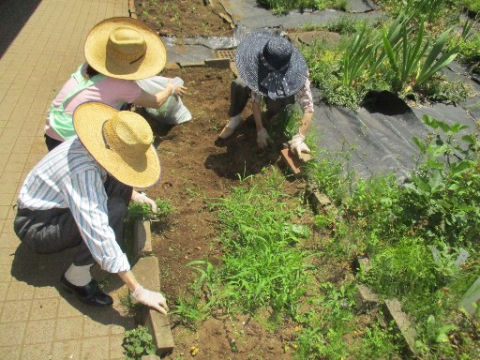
(252, 72)
(88, 120)
(96, 51)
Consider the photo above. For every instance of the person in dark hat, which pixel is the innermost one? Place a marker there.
(63, 202)
(272, 72)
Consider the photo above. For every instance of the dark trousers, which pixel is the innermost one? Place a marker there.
(54, 230)
(240, 93)
(51, 142)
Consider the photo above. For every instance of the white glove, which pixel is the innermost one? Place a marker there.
(262, 138)
(297, 145)
(152, 299)
(141, 198)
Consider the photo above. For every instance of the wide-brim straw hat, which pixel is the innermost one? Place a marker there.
(120, 141)
(125, 48)
(271, 65)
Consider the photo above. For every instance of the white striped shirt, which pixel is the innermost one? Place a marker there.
(69, 177)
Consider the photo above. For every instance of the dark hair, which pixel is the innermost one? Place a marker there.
(90, 71)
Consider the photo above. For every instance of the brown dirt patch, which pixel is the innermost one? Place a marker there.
(196, 169)
(184, 18)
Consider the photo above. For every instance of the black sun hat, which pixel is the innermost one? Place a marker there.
(271, 65)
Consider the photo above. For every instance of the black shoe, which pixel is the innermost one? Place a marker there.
(89, 294)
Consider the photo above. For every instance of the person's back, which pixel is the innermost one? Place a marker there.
(99, 88)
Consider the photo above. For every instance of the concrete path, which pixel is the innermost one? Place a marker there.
(40, 46)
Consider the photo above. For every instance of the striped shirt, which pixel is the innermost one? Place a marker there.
(69, 177)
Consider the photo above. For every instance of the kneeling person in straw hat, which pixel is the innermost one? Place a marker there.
(271, 72)
(118, 51)
(63, 202)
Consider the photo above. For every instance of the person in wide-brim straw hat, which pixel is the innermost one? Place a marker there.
(65, 200)
(125, 48)
(118, 51)
(121, 141)
(271, 71)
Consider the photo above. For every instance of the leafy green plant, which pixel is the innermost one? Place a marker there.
(378, 343)
(468, 46)
(405, 269)
(144, 211)
(284, 6)
(472, 6)
(345, 25)
(439, 89)
(356, 57)
(445, 189)
(262, 266)
(416, 8)
(138, 342)
(414, 60)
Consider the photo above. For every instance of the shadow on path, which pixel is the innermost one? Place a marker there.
(13, 16)
(40, 270)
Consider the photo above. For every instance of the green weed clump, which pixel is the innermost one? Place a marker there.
(405, 56)
(144, 211)
(263, 264)
(137, 343)
(284, 6)
(472, 6)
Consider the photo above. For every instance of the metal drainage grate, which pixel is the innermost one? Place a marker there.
(226, 54)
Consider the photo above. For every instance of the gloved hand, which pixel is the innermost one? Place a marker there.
(262, 138)
(297, 145)
(141, 198)
(152, 299)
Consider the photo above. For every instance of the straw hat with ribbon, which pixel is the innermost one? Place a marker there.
(121, 142)
(271, 65)
(125, 48)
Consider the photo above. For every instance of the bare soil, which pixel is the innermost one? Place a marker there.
(197, 167)
(184, 18)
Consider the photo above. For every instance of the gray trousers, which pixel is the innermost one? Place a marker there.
(240, 93)
(54, 230)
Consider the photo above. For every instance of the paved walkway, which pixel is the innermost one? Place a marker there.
(40, 46)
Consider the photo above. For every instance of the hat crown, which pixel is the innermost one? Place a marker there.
(126, 44)
(277, 52)
(128, 135)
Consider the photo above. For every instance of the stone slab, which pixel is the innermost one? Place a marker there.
(147, 271)
(393, 310)
(159, 327)
(222, 63)
(142, 238)
(365, 298)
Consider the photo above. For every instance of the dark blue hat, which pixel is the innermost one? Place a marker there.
(271, 65)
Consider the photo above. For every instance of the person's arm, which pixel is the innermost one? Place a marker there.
(262, 135)
(141, 198)
(153, 299)
(304, 98)
(156, 100)
(306, 122)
